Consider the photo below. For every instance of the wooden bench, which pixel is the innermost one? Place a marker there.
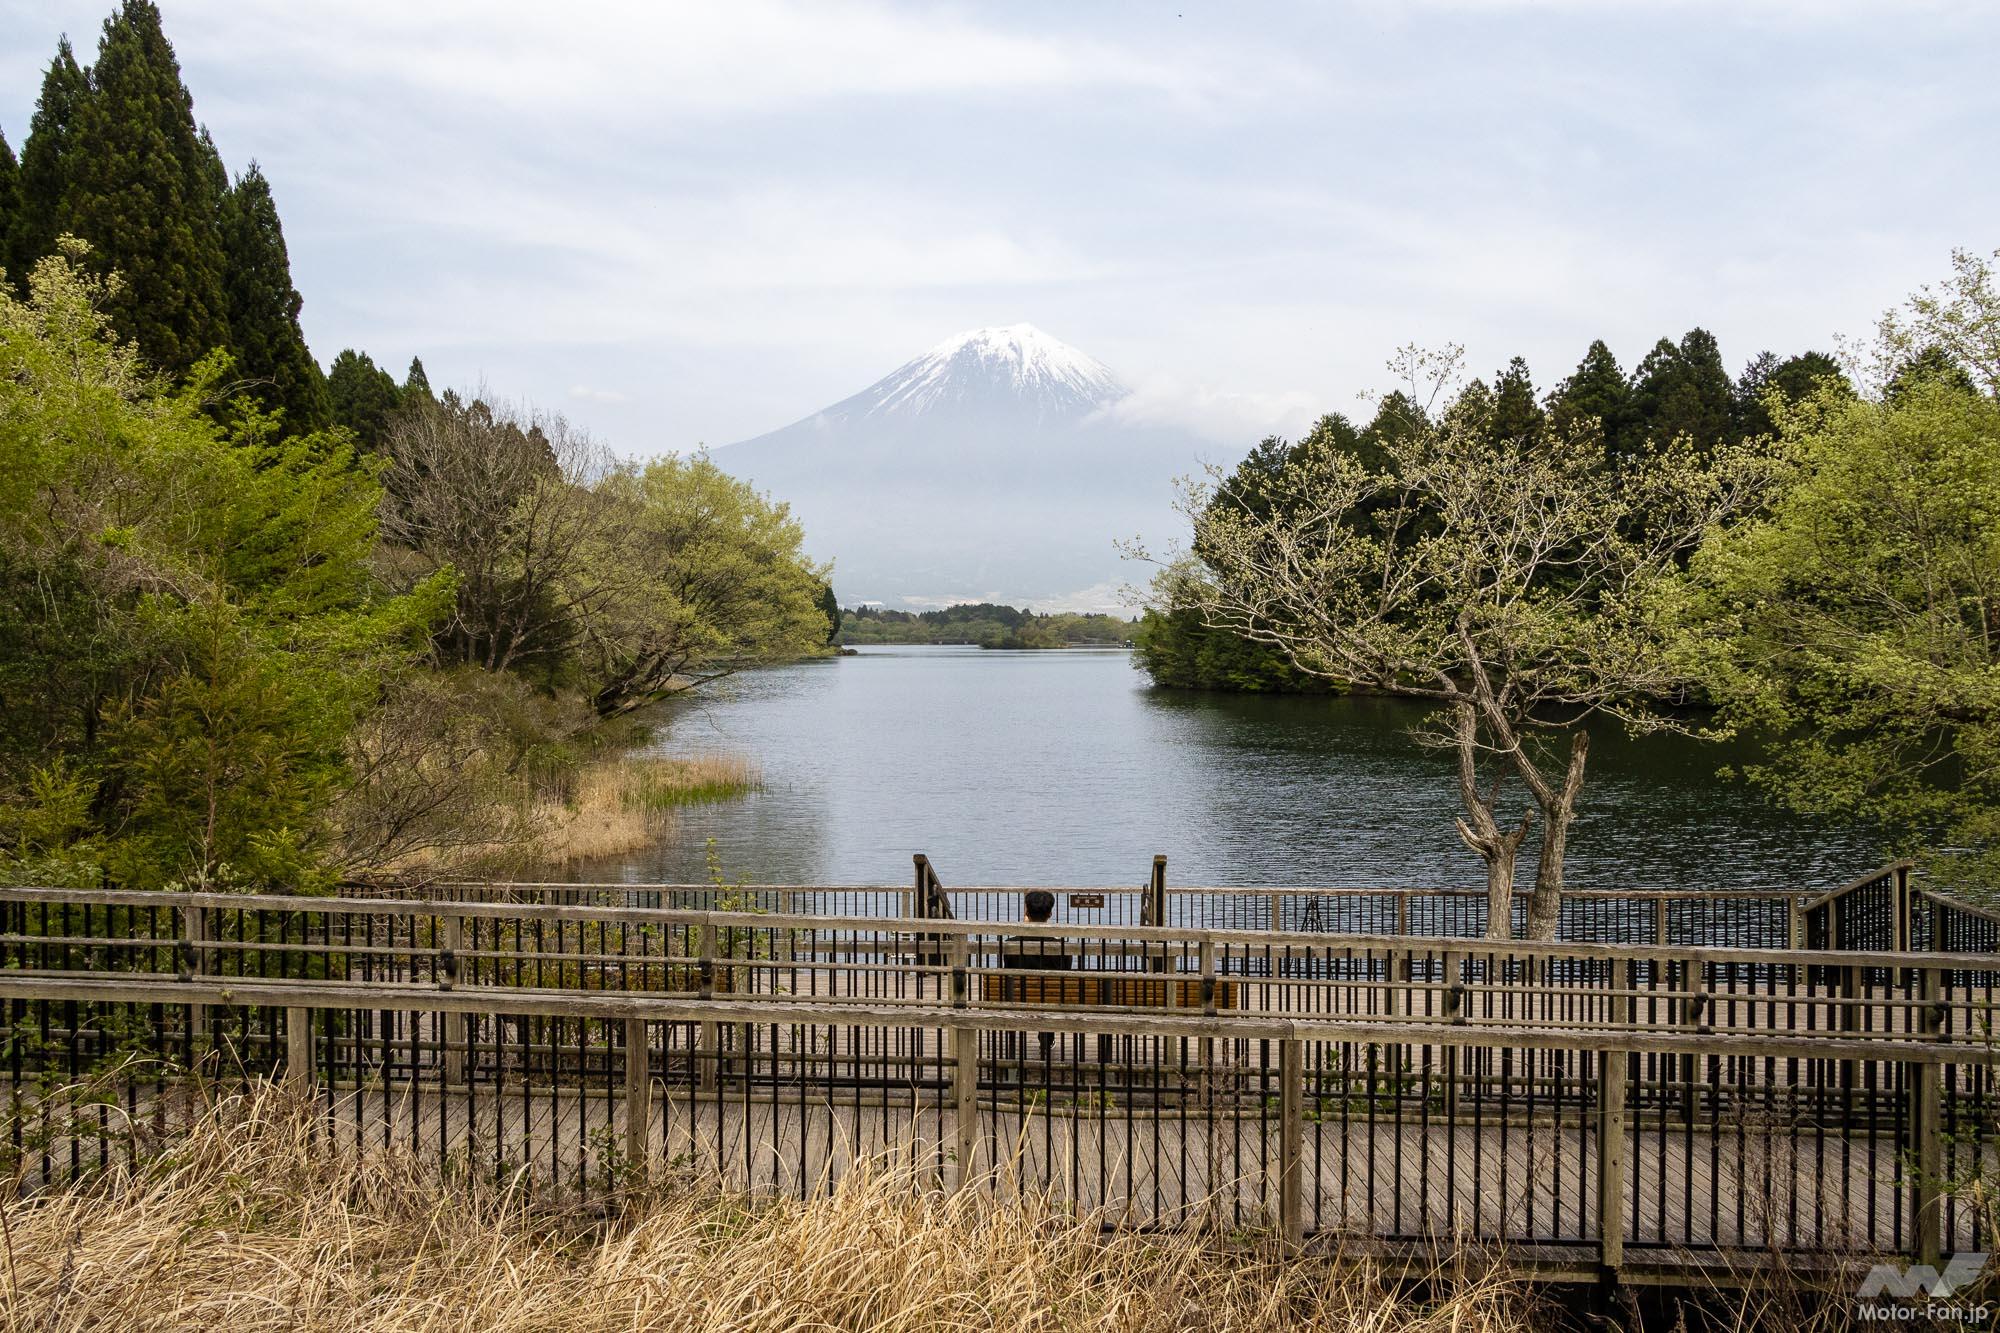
(1086, 990)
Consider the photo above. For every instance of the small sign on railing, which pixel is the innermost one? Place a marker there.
(1079, 900)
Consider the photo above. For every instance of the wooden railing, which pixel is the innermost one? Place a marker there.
(1593, 1107)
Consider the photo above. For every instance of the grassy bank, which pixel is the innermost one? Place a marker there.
(253, 1225)
(527, 823)
(627, 804)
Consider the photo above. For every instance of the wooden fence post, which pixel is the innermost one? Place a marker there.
(1153, 911)
(195, 921)
(1927, 1133)
(920, 890)
(638, 1098)
(1903, 904)
(299, 1050)
(965, 1102)
(1291, 1140)
(708, 1038)
(454, 1025)
(1277, 916)
(1611, 1074)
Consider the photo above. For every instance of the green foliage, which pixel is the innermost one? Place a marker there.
(983, 624)
(361, 395)
(1178, 651)
(45, 165)
(1680, 391)
(704, 576)
(1856, 628)
(10, 203)
(416, 388)
(264, 328)
(188, 628)
(829, 606)
(141, 188)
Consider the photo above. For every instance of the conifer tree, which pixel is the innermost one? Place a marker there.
(1516, 416)
(1596, 391)
(32, 232)
(264, 308)
(1683, 390)
(143, 190)
(362, 395)
(416, 384)
(10, 206)
(1791, 378)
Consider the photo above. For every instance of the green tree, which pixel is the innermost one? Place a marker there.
(1596, 391)
(704, 576)
(361, 396)
(1512, 587)
(10, 204)
(1855, 628)
(1516, 414)
(270, 348)
(416, 384)
(189, 626)
(829, 606)
(143, 190)
(1791, 380)
(1679, 391)
(45, 164)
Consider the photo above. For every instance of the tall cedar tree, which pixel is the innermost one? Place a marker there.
(1595, 391)
(264, 308)
(45, 164)
(144, 191)
(10, 206)
(362, 395)
(1680, 390)
(1517, 417)
(417, 385)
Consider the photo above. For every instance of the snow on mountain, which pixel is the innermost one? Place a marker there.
(1018, 367)
(984, 470)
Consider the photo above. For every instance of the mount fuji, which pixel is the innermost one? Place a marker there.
(995, 467)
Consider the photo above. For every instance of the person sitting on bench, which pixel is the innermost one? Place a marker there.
(1037, 953)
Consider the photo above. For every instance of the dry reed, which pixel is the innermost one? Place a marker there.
(251, 1224)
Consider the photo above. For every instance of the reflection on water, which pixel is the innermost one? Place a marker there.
(1066, 768)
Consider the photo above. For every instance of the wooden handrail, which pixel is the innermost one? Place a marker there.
(911, 926)
(787, 1010)
(1875, 876)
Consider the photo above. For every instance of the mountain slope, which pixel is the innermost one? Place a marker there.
(995, 467)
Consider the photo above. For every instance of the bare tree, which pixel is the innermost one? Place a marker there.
(509, 502)
(1523, 587)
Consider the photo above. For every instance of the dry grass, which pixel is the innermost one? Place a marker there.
(249, 1225)
(627, 804)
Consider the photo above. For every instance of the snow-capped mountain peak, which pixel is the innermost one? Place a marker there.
(1017, 367)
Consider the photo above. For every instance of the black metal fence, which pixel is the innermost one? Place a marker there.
(1603, 1103)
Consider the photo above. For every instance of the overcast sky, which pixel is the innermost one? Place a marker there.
(681, 223)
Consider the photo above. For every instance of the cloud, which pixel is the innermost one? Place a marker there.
(584, 391)
(1221, 415)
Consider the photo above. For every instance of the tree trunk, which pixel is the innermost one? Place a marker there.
(1480, 829)
(1500, 885)
(1545, 902)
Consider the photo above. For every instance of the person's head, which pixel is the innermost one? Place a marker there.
(1041, 904)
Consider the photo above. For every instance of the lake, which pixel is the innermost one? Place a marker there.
(1068, 768)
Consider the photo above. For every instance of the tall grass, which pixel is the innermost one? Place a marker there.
(252, 1223)
(627, 804)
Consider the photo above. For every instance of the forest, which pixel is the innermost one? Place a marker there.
(984, 624)
(1805, 558)
(262, 626)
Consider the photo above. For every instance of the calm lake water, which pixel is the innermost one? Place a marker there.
(1067, 768)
